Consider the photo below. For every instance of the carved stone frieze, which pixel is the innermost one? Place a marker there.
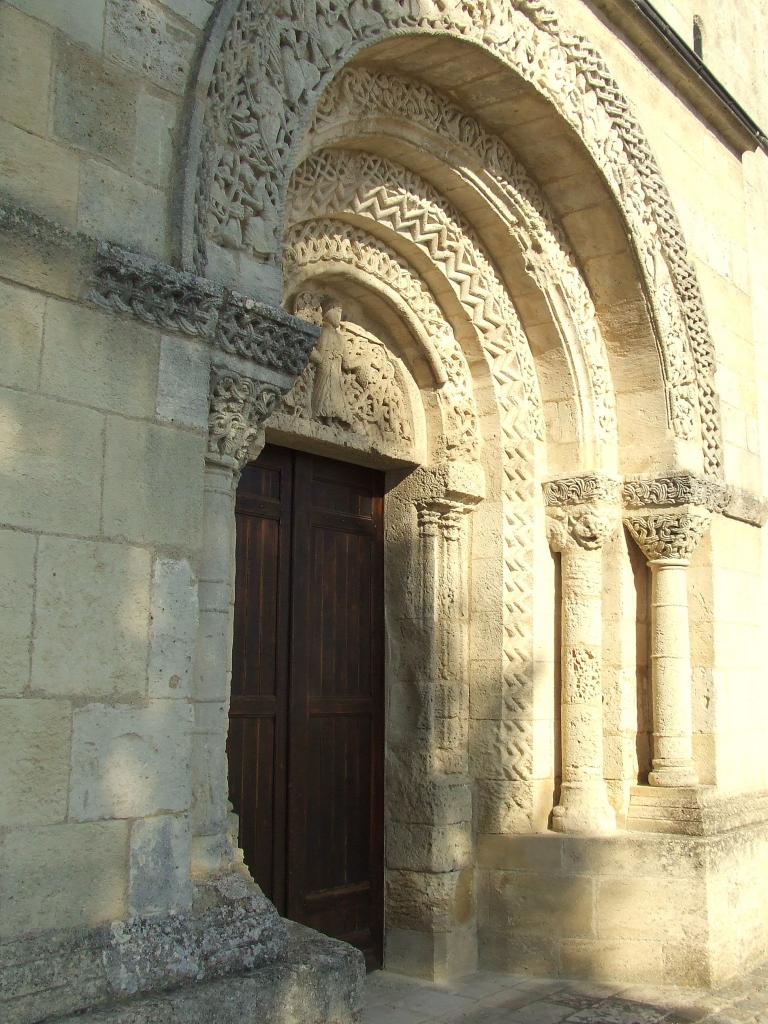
(177, 301)
(672, 490)
(238, 408)
(576, 490)
(353, 385)
(329, 242)
(671, 535)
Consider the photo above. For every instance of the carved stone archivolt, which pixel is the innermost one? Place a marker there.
(336, 182)
(357, 95)
(274, 63)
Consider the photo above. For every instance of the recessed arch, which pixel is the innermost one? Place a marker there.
(263, 72)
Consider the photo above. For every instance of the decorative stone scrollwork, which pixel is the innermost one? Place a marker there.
(680, 489)
(176, 301)
(274, 63)
(238, 408)
(578, 490)
(669, 535)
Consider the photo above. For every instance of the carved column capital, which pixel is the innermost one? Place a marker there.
(582, 511)
(238, 408)
(444, 516)
(586, 527)
(669, 535)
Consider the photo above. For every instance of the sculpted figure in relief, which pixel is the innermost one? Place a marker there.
(329, 402)
(351, 383)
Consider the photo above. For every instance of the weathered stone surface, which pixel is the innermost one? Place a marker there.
(92, 856)
(317, 980)
(25, 65)
(22, 334)
(232, 928)
(158, 868)
(25, 160)
(122, 758)
(182, 390)
(17, 554)
(94, 108)
(92, 619)
(174, 622)
(144, 39)
(57, 470)
(82, 20)
(136, 215)
(99, 360)
(162, 469)
(34, 761)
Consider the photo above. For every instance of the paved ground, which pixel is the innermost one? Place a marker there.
(487, 998)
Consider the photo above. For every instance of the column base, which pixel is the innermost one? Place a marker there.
(673, 776)
(583, 810)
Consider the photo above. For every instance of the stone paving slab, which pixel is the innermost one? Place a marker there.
(488, 998)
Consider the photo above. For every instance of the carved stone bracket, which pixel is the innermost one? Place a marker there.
(238, 408)
(579, 490)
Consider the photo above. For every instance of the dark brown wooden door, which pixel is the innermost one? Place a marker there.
(306, 719)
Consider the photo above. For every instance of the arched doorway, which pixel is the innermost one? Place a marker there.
(542, 334)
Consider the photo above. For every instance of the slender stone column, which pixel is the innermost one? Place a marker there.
(444, 573)
(668, 539)
(578, 528)
(238, 408)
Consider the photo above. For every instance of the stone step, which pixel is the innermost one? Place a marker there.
(317, 980)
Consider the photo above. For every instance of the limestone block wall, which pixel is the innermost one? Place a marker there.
(102, 463)
(95, 89)
(639, 908)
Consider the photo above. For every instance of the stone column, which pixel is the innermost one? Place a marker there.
(577, 529)
(445, 573)
(238, 408)
(668, 539)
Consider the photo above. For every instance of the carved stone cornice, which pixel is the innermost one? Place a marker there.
(238, 408)
(672, 535)
(178, 301)
(673, 490)
(580, 490)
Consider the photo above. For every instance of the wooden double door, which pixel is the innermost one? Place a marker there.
(306, 729)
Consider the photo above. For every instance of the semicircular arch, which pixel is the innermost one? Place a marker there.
(263, 71)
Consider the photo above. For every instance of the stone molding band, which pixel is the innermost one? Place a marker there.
(179, 301)
(127, 283)
(671, 490)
